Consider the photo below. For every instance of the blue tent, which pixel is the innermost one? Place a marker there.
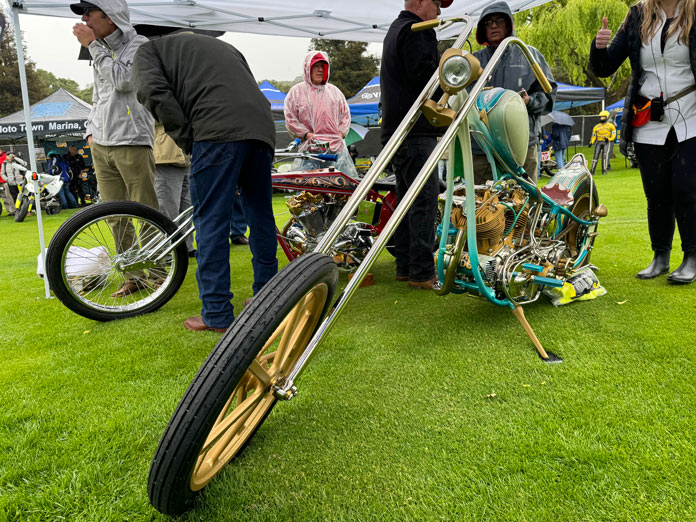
(273, 95)
(618, 105)
(574, 96)
(365, 105)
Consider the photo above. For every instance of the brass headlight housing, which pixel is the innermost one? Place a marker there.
(457, 70)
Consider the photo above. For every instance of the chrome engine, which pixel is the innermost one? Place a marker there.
(312, 214)
(521, 245)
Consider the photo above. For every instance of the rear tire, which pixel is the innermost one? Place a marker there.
(231, 394)
(577, 233)
(84, 263)
(23, 210)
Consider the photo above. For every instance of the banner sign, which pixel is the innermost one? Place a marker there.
(42, 129)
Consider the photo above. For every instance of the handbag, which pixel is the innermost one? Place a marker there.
(641, 110)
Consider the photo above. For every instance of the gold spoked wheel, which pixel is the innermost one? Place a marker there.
(232, 394)
(252, 399)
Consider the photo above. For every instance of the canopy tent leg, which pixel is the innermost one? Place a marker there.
(30, 138)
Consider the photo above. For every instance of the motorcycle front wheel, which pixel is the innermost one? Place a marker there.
(101, 247)
(231, 395)
(23, 210)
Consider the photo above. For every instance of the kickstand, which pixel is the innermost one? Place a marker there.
(548, 357)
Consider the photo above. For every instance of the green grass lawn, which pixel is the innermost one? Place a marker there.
(416, 407)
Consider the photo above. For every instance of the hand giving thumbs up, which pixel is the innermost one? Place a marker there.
(603, 35)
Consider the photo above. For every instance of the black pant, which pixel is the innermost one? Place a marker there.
(415, 237)
(669, 181)
(601, 152)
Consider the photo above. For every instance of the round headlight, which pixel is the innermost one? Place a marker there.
(456, 71)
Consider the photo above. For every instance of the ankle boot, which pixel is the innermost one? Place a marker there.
(659, 265)
(686, 273)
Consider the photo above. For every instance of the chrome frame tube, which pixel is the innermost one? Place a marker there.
(184, 222)
(388, 151)
(403, 207)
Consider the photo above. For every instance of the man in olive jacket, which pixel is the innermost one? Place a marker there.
(203, 93)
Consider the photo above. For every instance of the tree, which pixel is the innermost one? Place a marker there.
(351, 68)
(10, 87)
(52, 83)
(563, 31)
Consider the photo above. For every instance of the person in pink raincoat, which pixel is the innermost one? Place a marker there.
(317, 113)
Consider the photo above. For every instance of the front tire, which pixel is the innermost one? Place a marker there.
(23, 210)
(231, 394)
(86, 258)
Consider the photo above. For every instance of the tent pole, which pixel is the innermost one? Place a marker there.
(30, 135)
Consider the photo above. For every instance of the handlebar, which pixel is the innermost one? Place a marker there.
(428, 24)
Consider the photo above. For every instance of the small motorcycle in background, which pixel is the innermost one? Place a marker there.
(49, 187)
(548, 164)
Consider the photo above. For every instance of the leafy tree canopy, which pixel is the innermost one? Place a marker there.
(10, 86)
(40, 83)
(351, 67)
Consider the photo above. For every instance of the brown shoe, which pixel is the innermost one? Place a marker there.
(247, 301)
(129, 286)
(430, 284)
(241, 240)
(401, 279)
(196, 324)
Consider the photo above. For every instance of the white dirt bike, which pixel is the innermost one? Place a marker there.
(49, 187)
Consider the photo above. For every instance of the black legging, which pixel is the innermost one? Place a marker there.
(669, 181)
(601, 150)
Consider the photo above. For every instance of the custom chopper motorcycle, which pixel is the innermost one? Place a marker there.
(504, 241)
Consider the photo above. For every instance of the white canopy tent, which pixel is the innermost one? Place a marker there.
(358, 20)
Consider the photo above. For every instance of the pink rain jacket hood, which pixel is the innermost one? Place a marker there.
(318, 109)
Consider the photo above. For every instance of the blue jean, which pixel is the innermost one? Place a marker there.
(67, 200)
(216, 171)
(414, 239)
(238, 224)
(560, 158)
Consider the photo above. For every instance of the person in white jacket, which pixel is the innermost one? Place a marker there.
(12, 171)
(120, 131)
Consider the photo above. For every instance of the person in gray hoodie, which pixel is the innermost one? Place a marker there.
(120, 131)
(513, 72)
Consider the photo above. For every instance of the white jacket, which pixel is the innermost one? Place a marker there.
(13, 171)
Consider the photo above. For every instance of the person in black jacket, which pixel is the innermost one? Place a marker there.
(659, 39)
(77, 165)
(408, 61)
(513, 72)
(204, 94)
